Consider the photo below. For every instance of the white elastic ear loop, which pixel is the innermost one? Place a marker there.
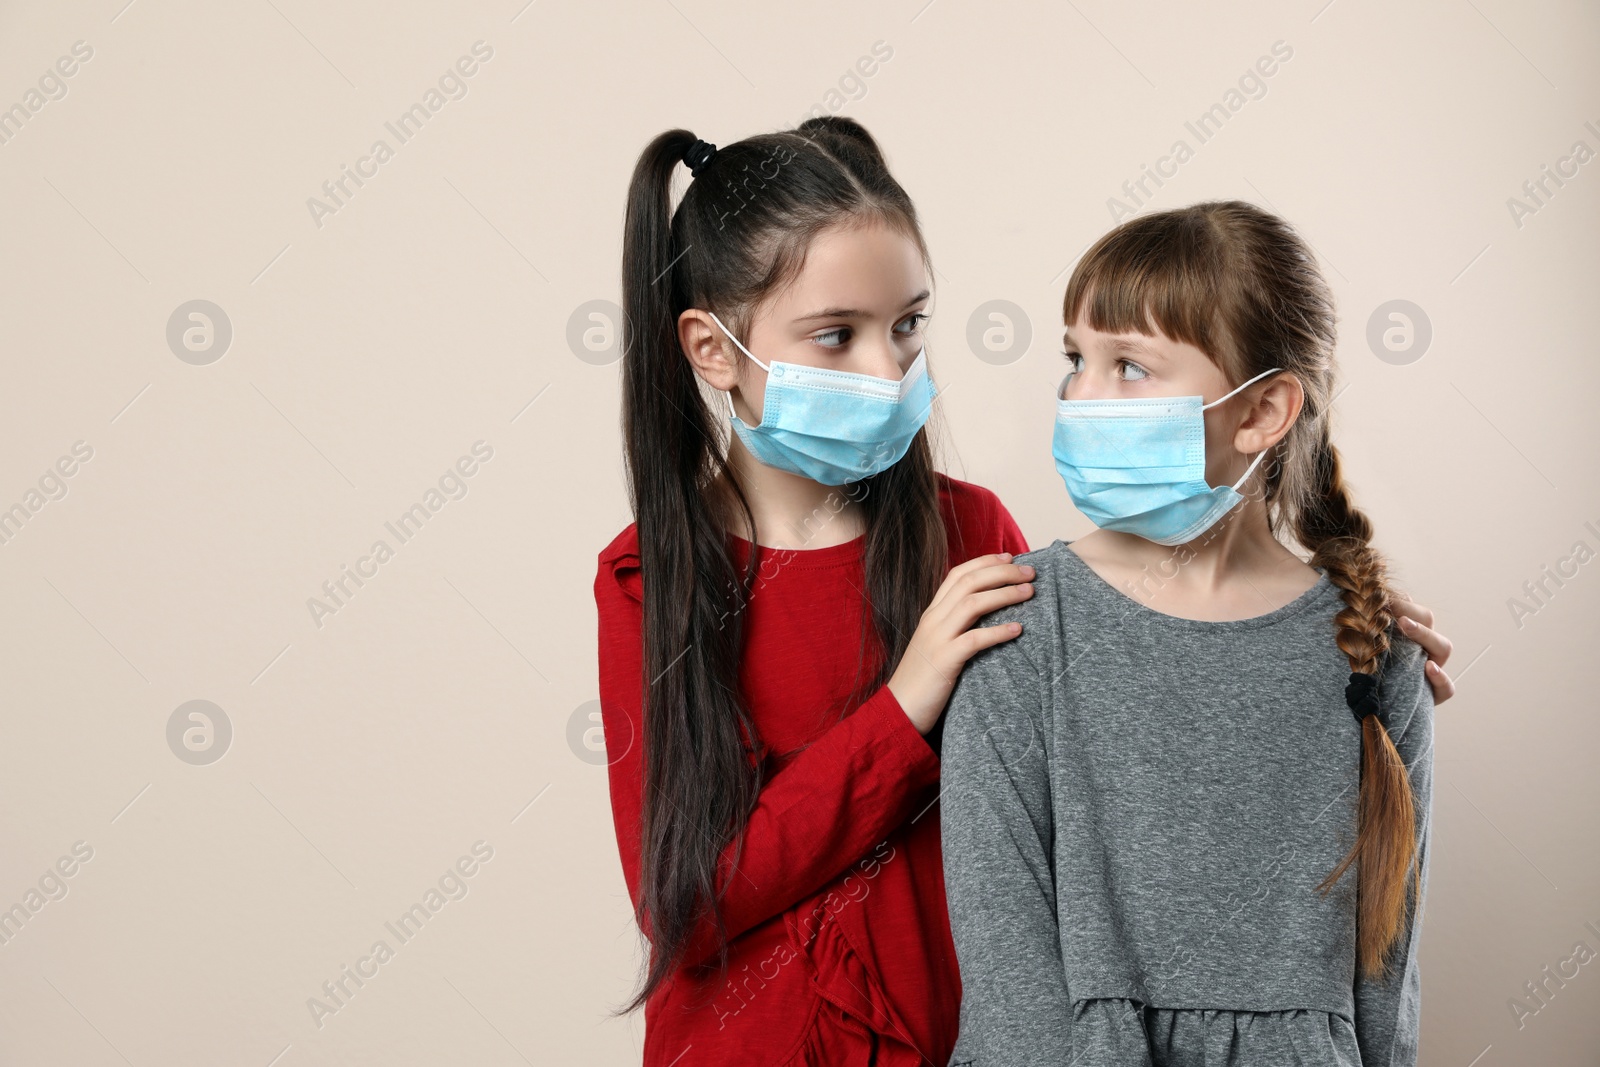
(742, 348)
(745, 350)
(1235, 392)
(1248, 471)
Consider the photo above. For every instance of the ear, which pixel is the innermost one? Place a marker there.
(708, 350)
(1271, 414)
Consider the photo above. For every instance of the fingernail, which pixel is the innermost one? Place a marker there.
(1029, 571)
(1407, 624)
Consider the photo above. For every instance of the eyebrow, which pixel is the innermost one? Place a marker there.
(1120, 344)
(853, 313)
(1123, 344)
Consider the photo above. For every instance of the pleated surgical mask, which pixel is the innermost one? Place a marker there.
(834, 426)
(1139, 465)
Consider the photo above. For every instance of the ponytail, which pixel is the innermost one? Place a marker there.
(695, 728)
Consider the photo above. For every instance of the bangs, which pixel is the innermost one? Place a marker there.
(1163, 274)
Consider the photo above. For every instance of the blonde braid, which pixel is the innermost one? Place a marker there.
(1385, 852)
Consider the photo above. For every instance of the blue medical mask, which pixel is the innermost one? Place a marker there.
(1139, 465)
(834, 426)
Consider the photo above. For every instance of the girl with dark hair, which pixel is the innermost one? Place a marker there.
(1152, 797)
(781, 626)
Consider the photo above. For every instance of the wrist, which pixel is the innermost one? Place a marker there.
(919, 707)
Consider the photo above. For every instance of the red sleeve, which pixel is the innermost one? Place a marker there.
(977, 521)
(1010, 533)
(826, 808)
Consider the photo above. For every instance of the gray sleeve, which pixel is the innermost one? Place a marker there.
(998, 837)
(1389, 1011)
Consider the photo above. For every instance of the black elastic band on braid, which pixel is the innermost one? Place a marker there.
(1361, 693)
(698, 155)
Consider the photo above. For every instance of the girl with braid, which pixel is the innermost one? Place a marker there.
(783, 621)
(1186, 813)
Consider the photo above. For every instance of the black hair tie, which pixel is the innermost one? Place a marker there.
(698, 155)
(1361, 693)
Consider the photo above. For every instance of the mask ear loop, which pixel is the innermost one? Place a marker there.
(742, 348)
(1232, 393)
(1248, 471)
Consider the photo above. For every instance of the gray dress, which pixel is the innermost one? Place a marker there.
(1136, 811)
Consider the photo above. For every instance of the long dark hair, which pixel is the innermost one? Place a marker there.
(741, 230)
(1239, 284)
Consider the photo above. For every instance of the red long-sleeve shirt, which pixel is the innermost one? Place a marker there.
(839, 893)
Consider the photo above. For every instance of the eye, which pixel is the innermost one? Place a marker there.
(834, 338)
(1074, 362)
(1132, 372)
(913, 322)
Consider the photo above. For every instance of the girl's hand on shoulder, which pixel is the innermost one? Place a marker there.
(1416, 622)
(945, 639)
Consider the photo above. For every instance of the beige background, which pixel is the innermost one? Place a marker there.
(431, 311)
